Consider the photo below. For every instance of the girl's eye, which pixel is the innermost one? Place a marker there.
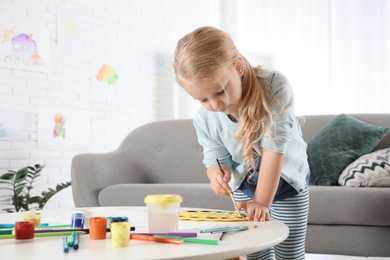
(220, 92)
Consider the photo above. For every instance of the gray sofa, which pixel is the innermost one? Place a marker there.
(165, 157)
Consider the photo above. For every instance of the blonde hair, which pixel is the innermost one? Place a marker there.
(206, 51)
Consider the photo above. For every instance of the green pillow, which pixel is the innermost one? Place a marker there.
(338, 144)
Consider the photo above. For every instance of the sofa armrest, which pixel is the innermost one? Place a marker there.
(90, 173)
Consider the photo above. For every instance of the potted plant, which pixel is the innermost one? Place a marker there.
(20, 183)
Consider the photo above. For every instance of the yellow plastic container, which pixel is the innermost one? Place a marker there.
(163, 212)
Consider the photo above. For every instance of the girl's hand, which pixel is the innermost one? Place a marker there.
(255, 211)
(219, 180)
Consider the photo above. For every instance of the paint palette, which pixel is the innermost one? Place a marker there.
(214, 216)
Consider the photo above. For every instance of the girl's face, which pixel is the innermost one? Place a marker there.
(222, 94)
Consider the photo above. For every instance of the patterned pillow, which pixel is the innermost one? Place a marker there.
(372, 169)
(338, 144)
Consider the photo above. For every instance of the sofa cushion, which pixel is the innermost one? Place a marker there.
(370, 170)
(339, 205)
(338, 144)
(197, 195)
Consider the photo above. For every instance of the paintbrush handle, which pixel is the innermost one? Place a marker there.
(231, 192)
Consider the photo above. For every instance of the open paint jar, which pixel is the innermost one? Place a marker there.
(163, 212)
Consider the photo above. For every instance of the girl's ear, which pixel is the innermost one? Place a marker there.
(240, 65)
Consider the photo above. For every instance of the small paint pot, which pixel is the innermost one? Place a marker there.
(116, 219)
(97, 228)
(77, 220)
(34, 216)
(120, 234)
(24, 230)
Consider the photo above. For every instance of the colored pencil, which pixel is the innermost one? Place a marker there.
(86, 230)
(48, 234)
(235, 229)
(193, 240)
(217, 229)
(156, 239)
(173, 234)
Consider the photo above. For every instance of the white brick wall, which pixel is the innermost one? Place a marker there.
(125, 31)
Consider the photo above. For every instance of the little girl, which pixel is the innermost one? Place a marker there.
(247, 122)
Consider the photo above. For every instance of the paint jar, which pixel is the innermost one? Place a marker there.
(163, 212)
(120, 234)
(34, 216)
(97, 228)
(24, 229)
(116, 219)
(77, 220)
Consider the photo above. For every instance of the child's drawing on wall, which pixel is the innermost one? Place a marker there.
(107, 74)
(69, 27)
(3, 132)
(59, 127)
(9, 123)
(24, 48)
(64, 129)
(7, 33)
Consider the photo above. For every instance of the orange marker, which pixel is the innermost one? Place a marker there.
(156, 239)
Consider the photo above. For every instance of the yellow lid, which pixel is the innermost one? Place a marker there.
(163, 198)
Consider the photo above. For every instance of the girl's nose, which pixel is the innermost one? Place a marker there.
(217, 105)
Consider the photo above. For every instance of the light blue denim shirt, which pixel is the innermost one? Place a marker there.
(216, 134)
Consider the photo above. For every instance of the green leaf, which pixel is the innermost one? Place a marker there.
(7, 176)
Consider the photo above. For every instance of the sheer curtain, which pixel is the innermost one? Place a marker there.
(336, 54)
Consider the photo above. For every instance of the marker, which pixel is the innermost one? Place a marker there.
(71, 239)
(156, 239)
(76, 242)
(193, 240)
(65, 244)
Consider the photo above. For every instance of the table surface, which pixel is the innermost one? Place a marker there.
(232, 245)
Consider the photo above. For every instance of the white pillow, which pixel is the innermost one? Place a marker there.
(369, 170)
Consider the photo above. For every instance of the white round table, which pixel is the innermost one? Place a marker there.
(235, 244)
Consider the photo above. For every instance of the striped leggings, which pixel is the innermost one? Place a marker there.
(293, 212)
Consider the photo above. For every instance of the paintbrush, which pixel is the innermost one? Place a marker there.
(230, 192)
